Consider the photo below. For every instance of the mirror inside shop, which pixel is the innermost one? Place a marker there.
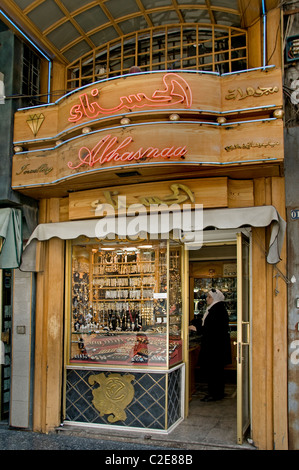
(126, 303)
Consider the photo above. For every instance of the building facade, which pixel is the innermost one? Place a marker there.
(154, 183)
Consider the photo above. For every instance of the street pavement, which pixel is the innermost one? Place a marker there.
(12, 439)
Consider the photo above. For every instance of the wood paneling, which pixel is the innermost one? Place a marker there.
(175, 144)
(49, 329)
(280, 343)
(211, 192)
(156, 92)
(269, 345)
(240, 193)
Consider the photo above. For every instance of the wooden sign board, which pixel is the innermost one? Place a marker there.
(148, 145)
(211, 192)
(251, 89)
(157, 92)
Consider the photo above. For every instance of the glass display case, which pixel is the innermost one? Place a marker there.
(125, 303)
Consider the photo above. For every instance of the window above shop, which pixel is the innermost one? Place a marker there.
(191, 47)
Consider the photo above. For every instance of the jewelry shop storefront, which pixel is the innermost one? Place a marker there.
(112, 300)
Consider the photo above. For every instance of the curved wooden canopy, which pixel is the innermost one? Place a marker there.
(68, 29)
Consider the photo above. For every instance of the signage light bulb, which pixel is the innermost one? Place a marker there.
(125, 120)
(174, 117)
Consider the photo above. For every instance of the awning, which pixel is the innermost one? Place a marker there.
(11, 236)
(261, 216)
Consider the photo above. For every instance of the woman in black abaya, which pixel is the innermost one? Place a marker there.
(215, 351)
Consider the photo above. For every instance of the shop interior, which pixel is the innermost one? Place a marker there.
(212, 266)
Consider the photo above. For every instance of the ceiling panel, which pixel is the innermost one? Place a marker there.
(122, 8)
(69, 28)
(46, 14)
(91, 19)
(105, 35)
(77, 51)
(73, 5)
(133, 24)
(23, 3)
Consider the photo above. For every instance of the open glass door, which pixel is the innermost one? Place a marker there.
(243, 337)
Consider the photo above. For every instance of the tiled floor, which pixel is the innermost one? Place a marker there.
(209, 423)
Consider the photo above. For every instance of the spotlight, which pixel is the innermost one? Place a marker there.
(174, 117)
(125, 120)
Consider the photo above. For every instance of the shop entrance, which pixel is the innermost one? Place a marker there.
(225, 267)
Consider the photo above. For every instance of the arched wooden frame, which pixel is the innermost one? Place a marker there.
(192, 46)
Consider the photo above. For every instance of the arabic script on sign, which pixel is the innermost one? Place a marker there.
(239, 94)
(175, 91)
(180, 193)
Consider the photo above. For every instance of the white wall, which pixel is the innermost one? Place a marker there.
(21, 350)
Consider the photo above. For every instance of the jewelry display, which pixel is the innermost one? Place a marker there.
(228, 285)
(119, 294)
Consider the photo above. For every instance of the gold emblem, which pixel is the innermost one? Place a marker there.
(34, 122)
(113, 395)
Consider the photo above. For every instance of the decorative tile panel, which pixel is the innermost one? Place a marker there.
(146, 410)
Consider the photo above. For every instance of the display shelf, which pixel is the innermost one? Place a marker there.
(228, 286)
(125, 293)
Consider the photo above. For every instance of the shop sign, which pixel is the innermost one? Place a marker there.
(26, 169)
(175, 91)
(108, 149)
(211, 192)
(150, 146)
(241, 94)
(153, 92)
(178, 194)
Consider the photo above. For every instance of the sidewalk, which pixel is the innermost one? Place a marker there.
(209, 426)
(16, 440)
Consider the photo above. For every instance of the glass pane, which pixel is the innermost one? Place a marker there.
(119, 303)
(91, 19)
(175, 304)
(63, 35)
(45, 14)
(245, 335)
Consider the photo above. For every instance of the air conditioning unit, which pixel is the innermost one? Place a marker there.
(292, 49)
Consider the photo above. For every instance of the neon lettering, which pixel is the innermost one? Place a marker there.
(176, 91)
(105, 151)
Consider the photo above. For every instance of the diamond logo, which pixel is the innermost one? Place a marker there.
(34, 122)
